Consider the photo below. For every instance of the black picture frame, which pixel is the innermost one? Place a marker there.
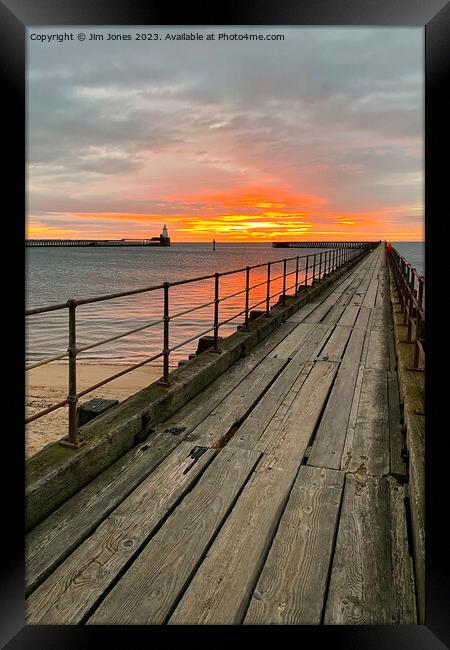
(15, 16)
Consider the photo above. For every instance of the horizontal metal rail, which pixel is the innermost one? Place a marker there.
(411, 292)
(316, 266)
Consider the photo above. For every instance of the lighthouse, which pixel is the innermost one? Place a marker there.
(164, 237)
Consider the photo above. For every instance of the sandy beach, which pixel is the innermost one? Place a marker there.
(47, 385)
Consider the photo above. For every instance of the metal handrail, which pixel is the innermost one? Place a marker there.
(411, 288)
(316, 266)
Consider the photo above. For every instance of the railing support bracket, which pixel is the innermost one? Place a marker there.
(168, 382)
(65, 442)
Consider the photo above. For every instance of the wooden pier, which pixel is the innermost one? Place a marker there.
(274, 496)
(51, 243)
(322, 244)
(162, 240)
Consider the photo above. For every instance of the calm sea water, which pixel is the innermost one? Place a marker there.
(413, 252)
(56, 274)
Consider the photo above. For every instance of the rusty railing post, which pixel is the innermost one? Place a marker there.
(247, 296)
(320, 266)
(411, 311)
(72, 440)
(72, 397)
(306, 271)
(268, 289)
(296, 277)
(314, 269)
(419, 328)
(215, 347)
(166, 346)
(420, 298)
(284, 282)
(407, 283)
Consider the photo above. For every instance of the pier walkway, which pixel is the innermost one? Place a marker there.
(275, 496)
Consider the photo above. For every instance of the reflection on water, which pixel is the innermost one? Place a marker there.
(56, 274)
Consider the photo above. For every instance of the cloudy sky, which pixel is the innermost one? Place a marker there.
(318, 136)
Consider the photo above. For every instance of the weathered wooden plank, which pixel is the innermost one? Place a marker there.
(337, 288)
(222, 422)
(48, 544)
(347, 451)
(339, 308)
(292, 584)
(369, 298)
(202, 404)
(403, 587)
(73, 589)
(367, 291)
(390, 325)
(396, 440)
(382, 286)
(330, 437)
(298, 316)
(373, 404)
(363, 320)
(360, 591)
(284, 349)
(360, 293)
(148, 591)
(270, 432)
(359, 271)
(370, 447)
(254, 425)
(377, 351)
(291, 438)
(56, 537)
(321, 311)
(312, 345)
(349, 315)
(222, 586)
(379, 318)
(335, 346)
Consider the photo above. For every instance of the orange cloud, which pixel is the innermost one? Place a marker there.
(255, 213)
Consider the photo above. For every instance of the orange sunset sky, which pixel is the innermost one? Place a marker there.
(316, 137)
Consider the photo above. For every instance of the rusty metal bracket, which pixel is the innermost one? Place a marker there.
(65, 442)
(169, 382)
